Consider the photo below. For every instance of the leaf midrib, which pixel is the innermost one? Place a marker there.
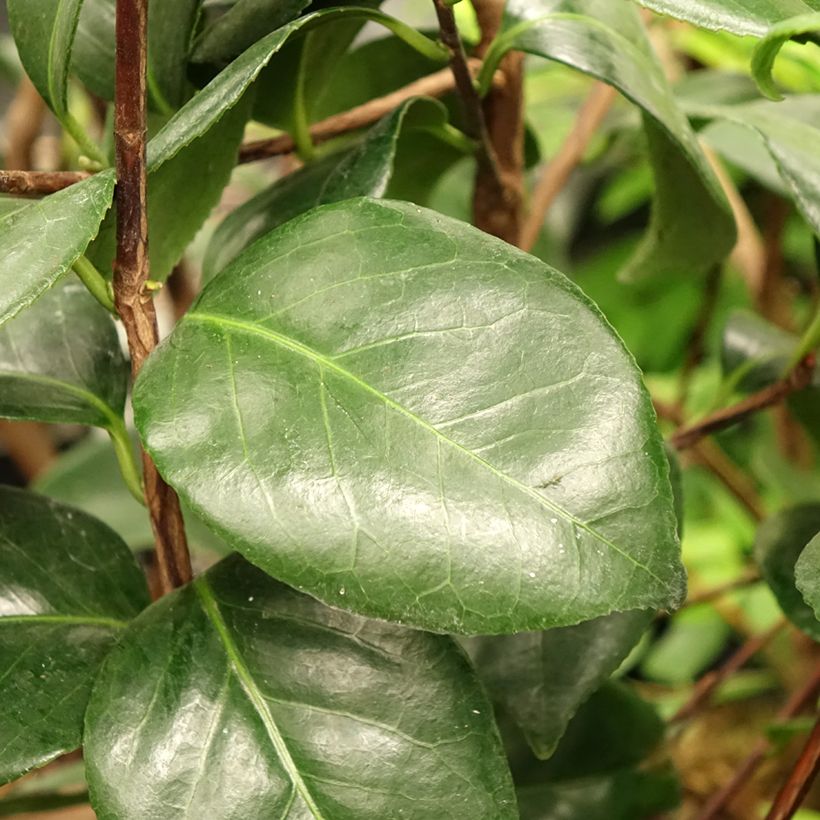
(214, 614)
(325, 361)
(65, 620)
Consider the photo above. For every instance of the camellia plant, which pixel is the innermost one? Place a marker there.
(387, 526)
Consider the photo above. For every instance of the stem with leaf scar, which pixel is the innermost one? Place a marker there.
(133, 301)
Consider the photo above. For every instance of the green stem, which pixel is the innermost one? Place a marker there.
(86, 144)
(125, 456)
(809, 343)
(301, 122)
(96, 283)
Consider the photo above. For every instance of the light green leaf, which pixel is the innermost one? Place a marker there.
(40, 242)
(44, 33)
(401, 415)
(196, 117)
(807, 574)
(60, 361)
(273, 705)
(780, 541)
(768, 48)
(67, 587)
(364, 170)
(542, 678)
(691, 228)
(753, 17)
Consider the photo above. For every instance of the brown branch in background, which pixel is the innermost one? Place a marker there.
(749, 577)
(24, 121)
(498, 196)
(709, 683)
(434, 85)
(798, 702)
(38, 183)
(29, 445)
(794, 790)
(712, 456)
(131, 270)
(569, 157)
(797, 380)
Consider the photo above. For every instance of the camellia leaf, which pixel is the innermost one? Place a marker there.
(691, 228)
(370, 404)
(753, 17)
(44, 33)
(768, 48)
(807, 574)
(364, 170)
(60, 361)
(274, 705)
(67, 587)
(40, 242)
(541, 678)
(780, 541)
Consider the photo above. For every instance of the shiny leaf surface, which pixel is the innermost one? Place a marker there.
(403, 416)
(807, 574)
(780, 541)
(542, 678)
(738, 16)
(244, 699)
(67, 587)
(364, 170)
(40, 242)
(60, 361)
(691, 227)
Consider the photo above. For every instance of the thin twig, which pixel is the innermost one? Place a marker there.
(794, 790)
(797, 380)
(798, 701)
(747, 578)
(555, 176)
(134, 303)
(706, 686)
(38, 183)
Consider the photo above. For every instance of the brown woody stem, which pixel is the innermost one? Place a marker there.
(797, 380)
(796, 787)
(38, 183)
(131, 270)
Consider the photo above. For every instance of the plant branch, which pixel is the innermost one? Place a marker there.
(747, 578)
(569, 156)
(794, 790)
(798, 701)
(131, 270)
(797, 380)
(38, 183)
(709, 683)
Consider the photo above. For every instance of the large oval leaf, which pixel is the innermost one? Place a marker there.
(691, 227)
(41, 241)
(60, 361)
(542, 678)
(780, 541)
(67, 586)
(807, 574)
(243, 699)
(403, 416)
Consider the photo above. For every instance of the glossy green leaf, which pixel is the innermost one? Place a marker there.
(67, 587)
(542, 678)
(170, 29)
(60, 361)
(40, 242)
(780, 541)
(244, 699)
(241, 26)
(44, 33)
(790, 130)
(753, 17)
(370, 404)
(87, 477)
(182, 192)
(201, 113)
(768, 48)
(691, 227)
(364, 170)
(755, 352)
(807, 574)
